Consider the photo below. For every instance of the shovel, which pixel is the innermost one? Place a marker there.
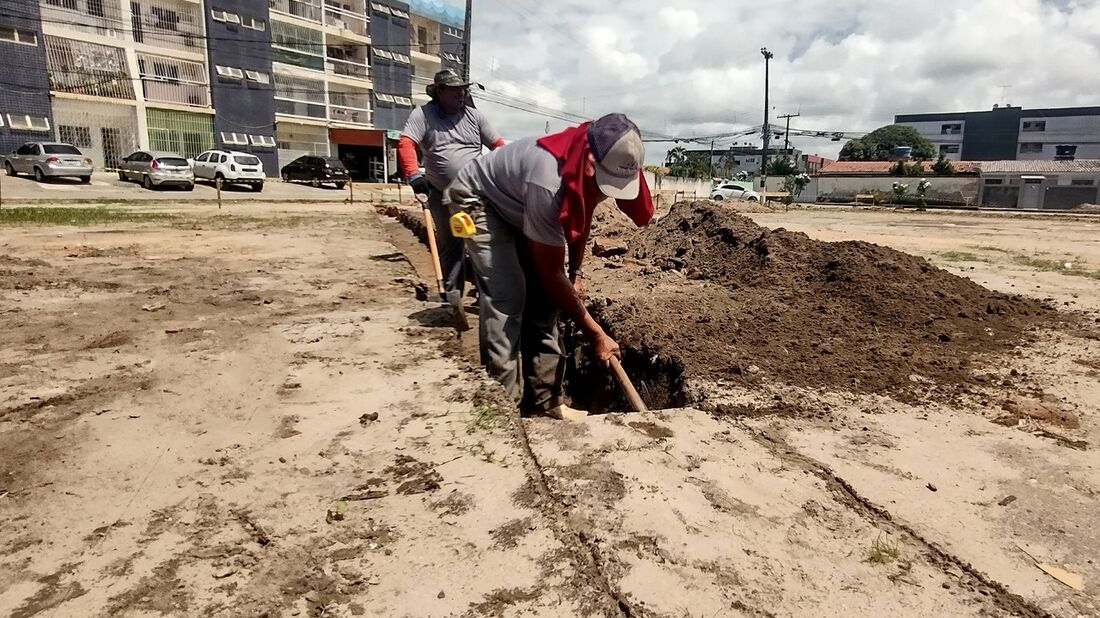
(454, 297)
(628, 386)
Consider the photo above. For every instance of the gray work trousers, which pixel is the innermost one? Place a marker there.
(518, 332)
(451, 254)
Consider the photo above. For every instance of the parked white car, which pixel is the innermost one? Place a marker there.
(734, 191)
(231, 167)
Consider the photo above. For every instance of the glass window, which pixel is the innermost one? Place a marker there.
(246, 159)
(14, 35)
(174, 161)
(1034, 126)
(1031, 147)
(61, 149)
(203, 157)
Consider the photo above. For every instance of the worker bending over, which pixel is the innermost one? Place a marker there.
(532, 203)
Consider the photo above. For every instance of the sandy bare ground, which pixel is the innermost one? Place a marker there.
(253, 416)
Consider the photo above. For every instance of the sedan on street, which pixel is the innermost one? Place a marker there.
(316, 170)
(49, 160)
(734, 191)
(154, 168)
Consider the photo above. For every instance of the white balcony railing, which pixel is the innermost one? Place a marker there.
(170, 80)
(347, 67)
(95, 16)
(356, 24)
(350, 114)
(79, 67)
(306, 9)
(165, 23)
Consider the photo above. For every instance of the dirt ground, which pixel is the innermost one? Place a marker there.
(249, 414)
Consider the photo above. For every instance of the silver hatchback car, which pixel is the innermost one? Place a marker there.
(49, 160)
(154, 168)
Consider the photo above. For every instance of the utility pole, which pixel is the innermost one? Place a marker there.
(787, 133)
(712, 158)
(466, 35)
(767, 129)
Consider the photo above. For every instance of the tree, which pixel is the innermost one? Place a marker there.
(879, 145)
(943, 167)
(794, 184)
(781, 167)
(901, 168)
(676, 155)
(692, 165)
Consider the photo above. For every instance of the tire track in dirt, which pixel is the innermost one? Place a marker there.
(847, 495)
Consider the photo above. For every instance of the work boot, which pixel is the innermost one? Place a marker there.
(565, 413)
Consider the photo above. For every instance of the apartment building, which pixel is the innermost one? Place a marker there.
(277, 78)
(1008, 133)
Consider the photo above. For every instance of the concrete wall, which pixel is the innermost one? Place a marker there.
(693, 188)
(1056, 191)
(961, 189)
(243, 106)
(1082, 131)
(26, 88)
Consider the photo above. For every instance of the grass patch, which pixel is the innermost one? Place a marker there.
(486, 417)
(882, 551)
(959, 256)
(489, 412)
(34, 215)
(1055, 266)
(990, 248)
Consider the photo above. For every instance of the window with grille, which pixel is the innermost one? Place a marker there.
(1031, 148)
(87, 68)
(165, 19)
(81, 137)
(1034, 126)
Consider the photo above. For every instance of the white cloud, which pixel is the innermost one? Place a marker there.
(681, 22)
(694, 69)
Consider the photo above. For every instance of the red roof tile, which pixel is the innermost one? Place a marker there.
(882, 168)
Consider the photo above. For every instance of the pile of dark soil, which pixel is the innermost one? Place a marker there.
(758, 304)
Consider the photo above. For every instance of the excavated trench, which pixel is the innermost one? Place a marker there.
(705, 294)
(591, 386)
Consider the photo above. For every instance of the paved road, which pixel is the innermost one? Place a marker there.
(106, 186)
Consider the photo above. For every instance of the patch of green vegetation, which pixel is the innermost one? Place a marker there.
(37, 215)
(990, 248)
(1055, 266)
(882, 551)
(959, 256)
(486, 417)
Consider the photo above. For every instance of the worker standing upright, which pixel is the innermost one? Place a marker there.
(450, 133)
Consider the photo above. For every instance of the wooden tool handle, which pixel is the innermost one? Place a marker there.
(435, 250)
(628, 387)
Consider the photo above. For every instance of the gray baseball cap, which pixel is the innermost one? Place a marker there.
(616, 145)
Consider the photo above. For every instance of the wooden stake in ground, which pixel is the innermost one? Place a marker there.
(218, 186)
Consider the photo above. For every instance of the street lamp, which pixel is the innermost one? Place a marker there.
(767, 133)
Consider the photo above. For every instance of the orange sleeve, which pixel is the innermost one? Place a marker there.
(406, 157)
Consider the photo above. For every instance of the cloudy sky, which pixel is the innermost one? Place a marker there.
(694, 67)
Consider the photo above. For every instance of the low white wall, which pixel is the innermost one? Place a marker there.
(960, 189)
(693, 188)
